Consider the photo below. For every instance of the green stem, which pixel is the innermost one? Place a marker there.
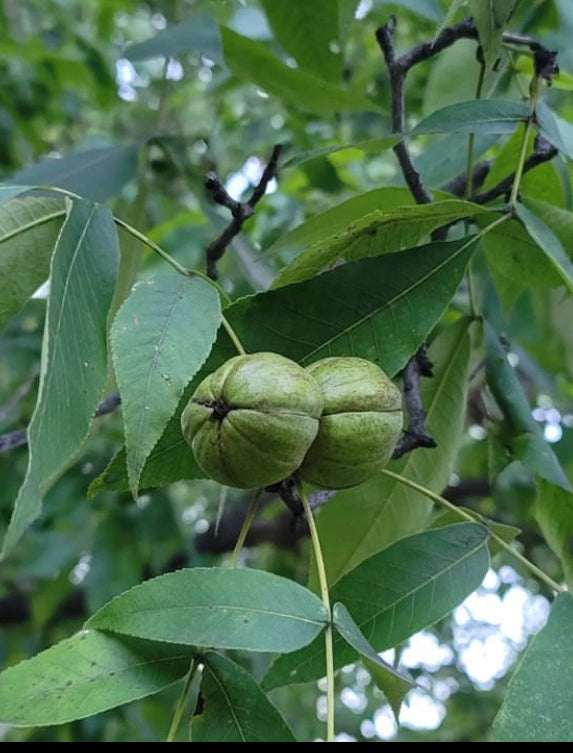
(180, 708)
(471, 141)
(322, 579)
(535, 87)
(466, 516)
(245, 528)
(231, 332)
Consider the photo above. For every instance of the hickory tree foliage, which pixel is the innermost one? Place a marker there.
(421, 196)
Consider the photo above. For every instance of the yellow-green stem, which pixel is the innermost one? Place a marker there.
(471, 140)
(245, 528)
(180, 708)
(231, 332)
(536, 85)
(477, 519)
(322, 579)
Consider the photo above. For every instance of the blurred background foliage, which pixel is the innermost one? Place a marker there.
(82, 78)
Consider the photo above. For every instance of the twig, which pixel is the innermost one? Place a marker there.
(14, 439)
(544, 152)
(415, 434)
(240, 211)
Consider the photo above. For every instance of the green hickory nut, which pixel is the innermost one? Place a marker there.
(252, 420)
(360, 425)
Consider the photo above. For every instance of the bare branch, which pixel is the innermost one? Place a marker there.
(240, 211)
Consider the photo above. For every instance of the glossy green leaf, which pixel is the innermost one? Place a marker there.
(538, 705)
(384, 309)
(85, 675)
(377, 233)
(358, 522)
(308, 31)
(475, 116)
(160, 338)
(234, 708)
(548, 243)
(196, 34)
(217, 608)
(96, 174)
(553, 511)
(490, 16)
(29, 228)
(557, 131)
(393, 683)
(74, 357)
(527, 443)
(253, 61)
(392, 595)
(322, 226)
(371, 146)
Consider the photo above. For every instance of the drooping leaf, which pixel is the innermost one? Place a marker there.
(475, 116)
(217, 608)
(160, 338)
(392, 595)
(85, 675)
(393, 683)
(234, 708)
(358, 522)
(197, 34)
(490, 16)
(253, 61)
(29, 228)
(400, 300)
(548, 243)
(553, 511)
(74, 358)
(96, 174)
(538, 705)
(368, 147)
(377, 233)
(556, 130)
(308, 32)
(527, 444)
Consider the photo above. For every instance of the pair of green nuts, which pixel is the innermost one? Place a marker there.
(259, 418)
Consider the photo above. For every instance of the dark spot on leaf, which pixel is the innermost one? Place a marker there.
(69, 682)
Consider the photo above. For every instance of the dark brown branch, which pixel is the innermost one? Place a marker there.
(544, 152)
(14, 439)
(457, 186)
(240, 211)
(415, 434)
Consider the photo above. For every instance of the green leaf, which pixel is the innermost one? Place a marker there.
(556, 130)
(548, 243)
(85, 675)
(74, 358)
(395, 593)
(358, 522)
(322, 226)
(235, 709)
(197, 34)
(447, 20)
(160, 338)
(308, 31)
(429, 9)
(516, 262)
(29, 228)
(371, 146)
(394, 684)
(505, 532)
(553, 511)
(377, 233)
(490, 16)
(7, 192)
(475, 116)
(217, 608)
(384, 309)
(527, 444)
(96, 174)
(538, 705)
(252, 61)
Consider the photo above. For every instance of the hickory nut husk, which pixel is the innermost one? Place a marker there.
(252, 420)
(360, 425)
